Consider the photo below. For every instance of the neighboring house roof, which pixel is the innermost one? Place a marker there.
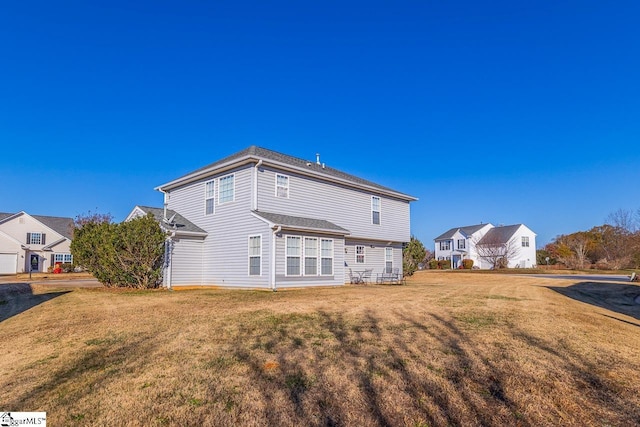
(499, 235)
(300, 223)
(179, 223)
(61, 225)
(254, 154)
(467, 230)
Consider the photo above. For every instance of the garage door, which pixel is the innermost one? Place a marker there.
(8, 263)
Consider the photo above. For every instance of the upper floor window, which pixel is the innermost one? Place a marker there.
(255, 255)
(209, 188)
(461, 243)
(226, 189)
(445, 245)
(375, 210)
(525, 241)
(282, 186)
(35, 239)
(359, 254)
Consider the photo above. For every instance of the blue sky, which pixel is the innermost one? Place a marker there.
(500, 111)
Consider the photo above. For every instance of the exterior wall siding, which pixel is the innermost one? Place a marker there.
(349, 208)
(374, 257)
(186, 259)
(225, 250)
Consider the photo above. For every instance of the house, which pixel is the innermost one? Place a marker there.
(33, 242)
(263, 219)
(485, 244)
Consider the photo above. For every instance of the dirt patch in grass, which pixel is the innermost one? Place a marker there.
(446, 349)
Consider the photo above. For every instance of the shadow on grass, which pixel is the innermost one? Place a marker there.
(617, 297)
(334, 370)
(16, 298)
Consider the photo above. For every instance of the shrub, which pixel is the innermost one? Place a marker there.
(67, 267)
(467, 264)
(433, 264)
(129, 254)
(444, 264)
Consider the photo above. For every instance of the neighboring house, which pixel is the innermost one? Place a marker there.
(462, 243)
(262, 219)
(33, 242)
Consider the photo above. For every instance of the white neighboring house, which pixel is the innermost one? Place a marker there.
(33, 242)
(461, 243)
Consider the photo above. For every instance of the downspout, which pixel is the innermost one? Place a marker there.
(169, 260)
(276, 230)
(254, 204)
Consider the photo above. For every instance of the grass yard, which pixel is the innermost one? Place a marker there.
(446, 349)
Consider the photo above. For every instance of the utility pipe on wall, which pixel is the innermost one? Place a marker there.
(276, 231)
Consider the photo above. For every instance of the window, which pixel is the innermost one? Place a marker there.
(388, 259)
(226, 189)
(63, 258)
(525, 241)
(359, 254)
(208, 197)
(282, 186)
(445, 245)
(293, 256)
(326, 256)
(461, 243)
(310, 256)
(375, 210)
(35, 239)
(255, 255)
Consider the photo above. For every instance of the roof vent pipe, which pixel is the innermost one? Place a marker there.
(317, 158)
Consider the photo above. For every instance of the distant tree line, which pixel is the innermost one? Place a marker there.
(614, 245)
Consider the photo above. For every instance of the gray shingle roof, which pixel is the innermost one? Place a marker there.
(499, 235)
(180, 223)
(468, 230)
(296, 222)
(308, 166)
(61, 225)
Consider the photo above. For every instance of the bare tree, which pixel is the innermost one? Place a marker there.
(624, 219)
(573, 249)
(492, 249)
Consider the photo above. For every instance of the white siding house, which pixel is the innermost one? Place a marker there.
(264, 219)
(462, 243)
(33, 242)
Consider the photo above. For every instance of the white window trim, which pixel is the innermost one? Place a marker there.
(213, 197)
(364, 254)
(63, 256)
(388, 251)
(286, 256)
(525, 241)
(233, 199)
(379, 210)
(333, 257)
(442, 242)
(31, 239)
(249, 256)
(304, 256)
(278, 186)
